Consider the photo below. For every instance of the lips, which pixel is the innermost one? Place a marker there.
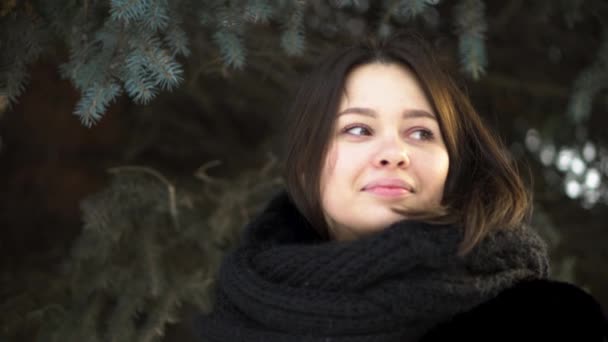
(388, 184)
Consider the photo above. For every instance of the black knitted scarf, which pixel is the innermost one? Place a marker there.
(284, 283)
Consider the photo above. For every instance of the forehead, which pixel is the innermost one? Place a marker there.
(385, 86)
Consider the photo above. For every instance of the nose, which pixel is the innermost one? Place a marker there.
(392, 154)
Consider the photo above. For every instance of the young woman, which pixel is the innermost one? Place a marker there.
(402, 219)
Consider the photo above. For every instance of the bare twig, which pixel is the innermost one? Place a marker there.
(201, 173)
(170, 187)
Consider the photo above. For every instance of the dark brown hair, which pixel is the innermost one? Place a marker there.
(483, 189)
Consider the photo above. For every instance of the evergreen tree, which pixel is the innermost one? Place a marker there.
(148, 245)
(135, 46)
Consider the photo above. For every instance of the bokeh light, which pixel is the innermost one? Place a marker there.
(592, 178)
(573, 188)
(589, 151)
(578, 166)
(533, 140)
(547, 154)
(564, 159)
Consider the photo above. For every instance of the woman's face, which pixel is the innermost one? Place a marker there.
(386, 151)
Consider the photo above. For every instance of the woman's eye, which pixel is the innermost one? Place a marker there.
(357, 130)
(422, 134)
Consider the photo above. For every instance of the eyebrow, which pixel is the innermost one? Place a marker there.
(407, 114)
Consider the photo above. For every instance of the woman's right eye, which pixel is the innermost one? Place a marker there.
(357, 130)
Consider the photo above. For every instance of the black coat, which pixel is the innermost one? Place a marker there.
(539, 310)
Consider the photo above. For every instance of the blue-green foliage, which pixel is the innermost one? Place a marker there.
(149, 59)
(157, 16)
(471, 28)
(91, 59)
(138, 84)
(176, 40)
(292, 39)
(358, 5)
(228, 24)
(146, 247)
(231, 48)
(403, 12)
(130, 51)
(258, 11)
(293, 42)
(472, 55)
(588, 84)
(95, 101)
(122, 258)
(409, 9)
(136, 45)
(129, 10)
(21, 41)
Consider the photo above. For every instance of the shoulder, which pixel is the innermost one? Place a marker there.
(544, 309)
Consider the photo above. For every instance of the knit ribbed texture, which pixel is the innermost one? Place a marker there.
(284, 283)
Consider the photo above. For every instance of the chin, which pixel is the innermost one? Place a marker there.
(382, 222)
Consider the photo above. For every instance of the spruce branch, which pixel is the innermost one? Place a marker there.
(591, 81)
(157, 16)
(471, 26)
(21, 40)
(406, 10)
(171, 200)
(125, 310)
(150, 261)
(103, 38)
(292, 38)
(231, 48)
(176, 40)
(141, 88)
(94, 102)
(258, 11)
(131, 293)
(164, 311)
(129, 10)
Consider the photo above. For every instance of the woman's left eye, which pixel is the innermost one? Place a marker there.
(357, 130)
(422, 134)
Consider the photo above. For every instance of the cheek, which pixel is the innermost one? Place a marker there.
(445, 167)
(344, 165)
(329, 167)
(437, 174)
